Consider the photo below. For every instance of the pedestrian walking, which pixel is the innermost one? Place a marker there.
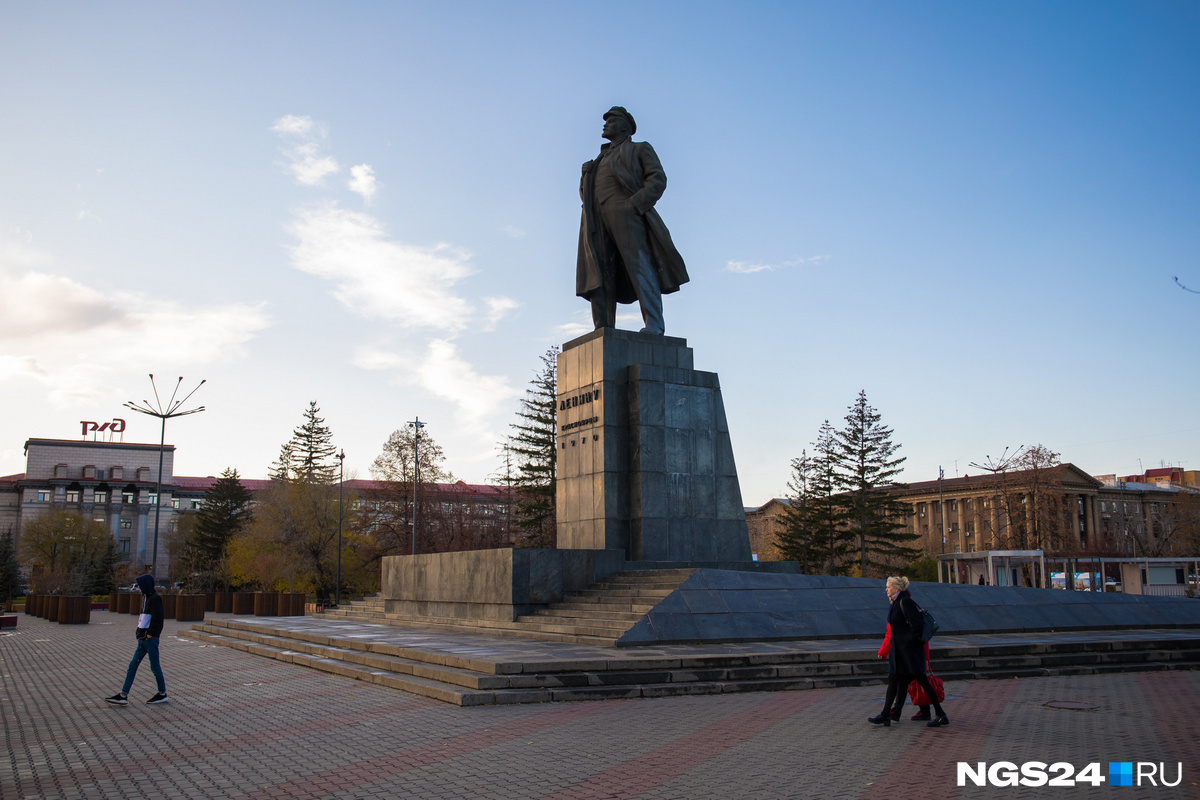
(906, 657)
(150, 625)
(916, 694)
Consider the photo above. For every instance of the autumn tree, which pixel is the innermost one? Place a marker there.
(60, 548)
(10, 568)
(405, 462)
(291, 542)
(874, 516)
(533, 449)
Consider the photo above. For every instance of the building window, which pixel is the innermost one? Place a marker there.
(171, 525)
(73, 495)
(126, 524)
(196, 504)
(43, 497)
(128, 497)
(123, 547)
(100, 497)
(174, 502)
(152, 498)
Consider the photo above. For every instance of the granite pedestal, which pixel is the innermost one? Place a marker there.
(645, 459)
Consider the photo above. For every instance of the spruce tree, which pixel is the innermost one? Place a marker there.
(225, 512)
(534, 448)
(100, 578)
(311, 449)
(828, 513)
(798, 538)
(873, 515)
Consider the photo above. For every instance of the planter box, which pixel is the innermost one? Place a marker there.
(99, 606)
(31, 602)
(113, 600)
(8, 621)
(135, 603)
(224, 603)
(266, 604)
(169, 601)
(122, 606)
(210, 601)
(189, 607)
(243, 603)
(74, 610)
(50, 608)
(296, 604)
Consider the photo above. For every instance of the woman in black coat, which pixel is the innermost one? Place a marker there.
(906, 659)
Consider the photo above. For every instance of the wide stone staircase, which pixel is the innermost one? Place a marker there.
(476, 675)
(596, 615)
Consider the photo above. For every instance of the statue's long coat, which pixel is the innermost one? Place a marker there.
(640, 173)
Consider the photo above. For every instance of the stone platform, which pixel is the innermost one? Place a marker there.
(477, 669)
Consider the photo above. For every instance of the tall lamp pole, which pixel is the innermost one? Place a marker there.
(337, 591)
(416, 425)
(169, 412)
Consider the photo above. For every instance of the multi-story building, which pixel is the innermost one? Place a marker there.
(1061, 509)
(114, 483)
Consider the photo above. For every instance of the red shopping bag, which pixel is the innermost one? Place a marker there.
(917, 694)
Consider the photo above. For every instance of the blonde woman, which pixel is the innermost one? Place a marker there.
(906, 659)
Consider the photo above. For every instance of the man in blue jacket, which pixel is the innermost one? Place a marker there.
(150, 625)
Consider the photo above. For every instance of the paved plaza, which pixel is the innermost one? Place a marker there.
(241, 726)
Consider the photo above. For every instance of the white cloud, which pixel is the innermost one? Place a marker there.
(378, 277)
(748, 268)
(513, 232)
(362, 180)
(442, 372)
(292, 125)
(72, 338)
(305, 161)
(498, 308)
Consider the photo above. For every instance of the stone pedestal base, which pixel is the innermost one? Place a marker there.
(645, 459)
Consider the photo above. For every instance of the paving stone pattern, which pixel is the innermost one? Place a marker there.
(241, 726)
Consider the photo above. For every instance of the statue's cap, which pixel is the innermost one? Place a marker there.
(620, 110)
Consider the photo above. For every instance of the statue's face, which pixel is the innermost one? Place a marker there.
(614, 127)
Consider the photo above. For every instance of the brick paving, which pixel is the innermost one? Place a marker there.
(240, 726)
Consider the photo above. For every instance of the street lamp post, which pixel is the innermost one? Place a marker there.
(416, 425)
(170, 411)
(337, 591)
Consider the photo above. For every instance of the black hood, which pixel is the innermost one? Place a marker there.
(146, 583)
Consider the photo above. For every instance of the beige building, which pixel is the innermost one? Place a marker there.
(110, 482)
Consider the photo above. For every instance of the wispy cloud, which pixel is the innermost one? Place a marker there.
(513, 232)
(362, 181)
(749, 267)
(379, 277)
(498, 308)
(71, 337)
(442, 371)
(305, 161)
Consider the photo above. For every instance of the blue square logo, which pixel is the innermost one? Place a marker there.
(1120, 773)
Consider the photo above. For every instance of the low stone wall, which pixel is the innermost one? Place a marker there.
(490, 584)
(721, 605)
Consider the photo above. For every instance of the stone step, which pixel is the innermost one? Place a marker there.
(466, 681)
(559, 610)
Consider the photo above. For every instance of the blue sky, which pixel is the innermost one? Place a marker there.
(973, 212)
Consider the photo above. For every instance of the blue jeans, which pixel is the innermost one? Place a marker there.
(145, 647)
